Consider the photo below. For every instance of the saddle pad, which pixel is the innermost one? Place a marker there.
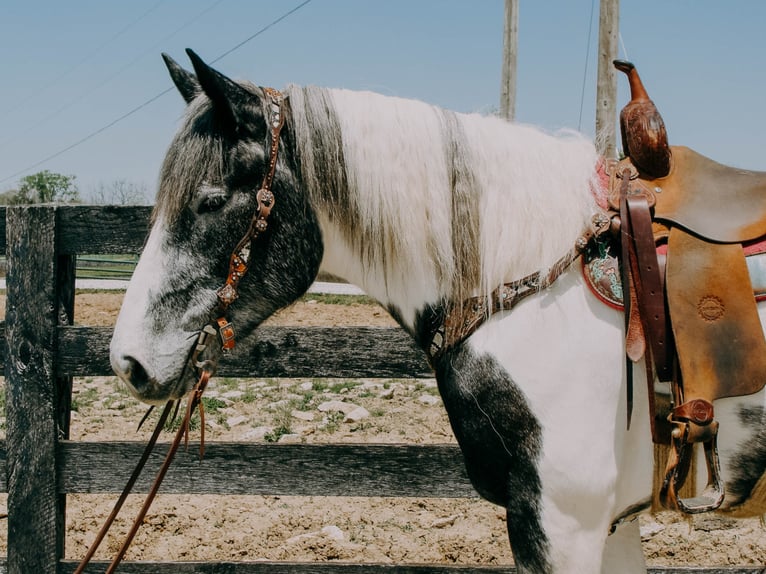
(719, 339)
(710, 199)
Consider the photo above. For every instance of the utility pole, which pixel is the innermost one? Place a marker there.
(606, 87)
(510, 49)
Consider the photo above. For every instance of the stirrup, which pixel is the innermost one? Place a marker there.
(683, 437)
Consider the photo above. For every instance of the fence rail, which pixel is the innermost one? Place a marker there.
(42, 351)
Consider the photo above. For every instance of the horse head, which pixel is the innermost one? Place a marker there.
(207, 198)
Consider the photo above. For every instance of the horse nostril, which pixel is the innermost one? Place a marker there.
(134, 373)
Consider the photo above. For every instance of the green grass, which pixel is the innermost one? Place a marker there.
(331, 299)
(83, 398)
(343, 384)
(281, 422)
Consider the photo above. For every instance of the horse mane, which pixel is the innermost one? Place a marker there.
(417, 192)
(472, 200)
(194, 158)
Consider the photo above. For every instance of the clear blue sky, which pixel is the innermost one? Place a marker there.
(71, 68)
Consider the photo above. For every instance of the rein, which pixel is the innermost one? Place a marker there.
(227, 294)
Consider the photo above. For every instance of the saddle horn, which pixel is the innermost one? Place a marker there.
(644, 138)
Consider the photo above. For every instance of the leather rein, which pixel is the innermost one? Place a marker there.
(227, 294)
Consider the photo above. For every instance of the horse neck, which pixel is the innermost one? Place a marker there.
(419, 205)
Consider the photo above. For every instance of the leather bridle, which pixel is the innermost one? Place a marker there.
(227, 294)
(240, 258)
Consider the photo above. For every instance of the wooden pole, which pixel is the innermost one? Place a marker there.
(606, 88)
(510, 50)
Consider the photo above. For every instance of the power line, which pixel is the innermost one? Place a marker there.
(45, 119)
(89, 136)
(261, 31)
(87, 57)
(152, 99)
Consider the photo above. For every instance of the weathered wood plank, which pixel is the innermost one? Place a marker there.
(273, 469)
(2, 229)
(3, 467)
(285, 568)
(67, 567)
(2, 347)
(102, 229)
(293, 352)
(35, 520)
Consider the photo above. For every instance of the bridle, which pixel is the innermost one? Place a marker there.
(240, 258)
(228, 293)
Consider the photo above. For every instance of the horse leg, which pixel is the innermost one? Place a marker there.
(537, 402)
(623, 551)
(503, 442)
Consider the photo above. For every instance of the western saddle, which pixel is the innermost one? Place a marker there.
(689, 303)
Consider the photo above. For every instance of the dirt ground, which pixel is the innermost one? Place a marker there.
(330, 528)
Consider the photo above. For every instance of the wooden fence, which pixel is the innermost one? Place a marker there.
(43, 351)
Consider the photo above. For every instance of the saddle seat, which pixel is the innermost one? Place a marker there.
(711, 200)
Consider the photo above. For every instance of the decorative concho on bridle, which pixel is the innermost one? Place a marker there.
(228, 293)
(240, 257)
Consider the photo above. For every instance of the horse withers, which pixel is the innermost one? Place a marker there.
(424, 209)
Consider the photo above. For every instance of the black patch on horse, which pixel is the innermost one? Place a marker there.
(501, 441)
(749, 464)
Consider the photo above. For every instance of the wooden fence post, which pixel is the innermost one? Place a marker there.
(40, 290)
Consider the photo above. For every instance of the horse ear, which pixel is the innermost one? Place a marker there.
(229, 98)
(185, 81)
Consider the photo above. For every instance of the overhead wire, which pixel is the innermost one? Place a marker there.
(84, 59)
(129, 113)
(45, 119)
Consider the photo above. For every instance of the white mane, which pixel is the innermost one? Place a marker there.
(465, 201)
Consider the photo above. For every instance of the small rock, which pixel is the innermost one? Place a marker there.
(340, 406)
(233, 394)
(234, 421)
(387, 393)
(307, 386)
(428, 400)
(289, 439)
(651, 528)
(300, 537)
(444, 522)
(303, 415)
(358, 414)
(257, 433)
(333, 532)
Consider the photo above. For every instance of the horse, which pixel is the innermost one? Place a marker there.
(423, 208)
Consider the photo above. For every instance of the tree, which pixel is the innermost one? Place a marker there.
(120, 192)
(45, 187)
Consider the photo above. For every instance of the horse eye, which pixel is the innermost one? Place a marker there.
(211, 203)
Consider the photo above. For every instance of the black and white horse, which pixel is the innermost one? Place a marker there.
(422, 207)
